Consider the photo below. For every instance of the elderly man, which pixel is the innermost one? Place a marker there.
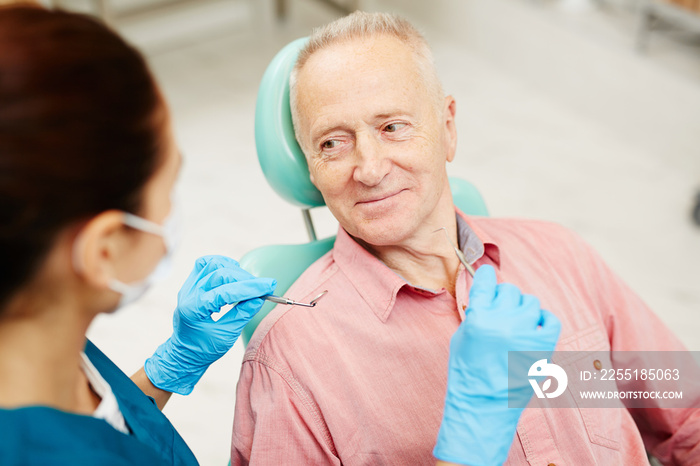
(360, 378)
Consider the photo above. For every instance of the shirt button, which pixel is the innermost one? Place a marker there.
(597, 364)
(551, 464)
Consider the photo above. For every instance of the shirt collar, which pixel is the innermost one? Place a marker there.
(475, 242)
(374, 281)
(379, 285)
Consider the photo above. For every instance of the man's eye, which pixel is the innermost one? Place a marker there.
(330, 144)
(393, 127)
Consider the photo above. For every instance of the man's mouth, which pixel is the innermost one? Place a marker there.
(380, 197)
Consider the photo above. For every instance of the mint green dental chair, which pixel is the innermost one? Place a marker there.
(284, 166)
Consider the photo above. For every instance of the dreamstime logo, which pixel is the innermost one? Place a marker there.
(542, 368)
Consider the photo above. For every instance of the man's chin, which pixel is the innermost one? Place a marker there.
(378, 232)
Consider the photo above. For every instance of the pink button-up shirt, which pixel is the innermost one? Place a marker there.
(361, 378)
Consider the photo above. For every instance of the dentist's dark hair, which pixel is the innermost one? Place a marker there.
(80, 131)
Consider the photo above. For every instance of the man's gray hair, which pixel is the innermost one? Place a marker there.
(360, 25)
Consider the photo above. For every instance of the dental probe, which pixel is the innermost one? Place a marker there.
(460, 254)
(291, 302)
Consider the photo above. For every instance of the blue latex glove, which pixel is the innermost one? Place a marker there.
(197, 340)
(478, 426)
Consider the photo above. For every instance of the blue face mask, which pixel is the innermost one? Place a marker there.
(169, 231)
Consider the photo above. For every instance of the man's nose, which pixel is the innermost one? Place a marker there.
(372, 164)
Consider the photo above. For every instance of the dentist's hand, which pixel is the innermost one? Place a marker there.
(197, 340)
(478, 425)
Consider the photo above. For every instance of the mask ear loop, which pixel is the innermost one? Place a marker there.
(146, 226)
(79, 265)
(130, 220)
(169, 230)
(142, 224)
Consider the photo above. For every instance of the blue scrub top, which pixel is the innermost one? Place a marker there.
(38, 435)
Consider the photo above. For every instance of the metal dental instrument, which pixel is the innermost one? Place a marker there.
(291, 302)
(460, 254)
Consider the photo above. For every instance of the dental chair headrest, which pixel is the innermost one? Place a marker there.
(280, 156)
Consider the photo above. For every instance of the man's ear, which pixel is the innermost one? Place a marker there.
(97, 247)
(449, 113)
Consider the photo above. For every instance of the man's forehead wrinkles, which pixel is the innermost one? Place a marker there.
(346, 87)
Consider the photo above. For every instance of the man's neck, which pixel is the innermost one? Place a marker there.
(426, 259)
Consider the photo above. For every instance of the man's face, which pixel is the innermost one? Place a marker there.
(375, 137)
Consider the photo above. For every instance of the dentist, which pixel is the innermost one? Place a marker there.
(87, 167)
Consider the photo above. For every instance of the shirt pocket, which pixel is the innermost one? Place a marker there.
(588, 350)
